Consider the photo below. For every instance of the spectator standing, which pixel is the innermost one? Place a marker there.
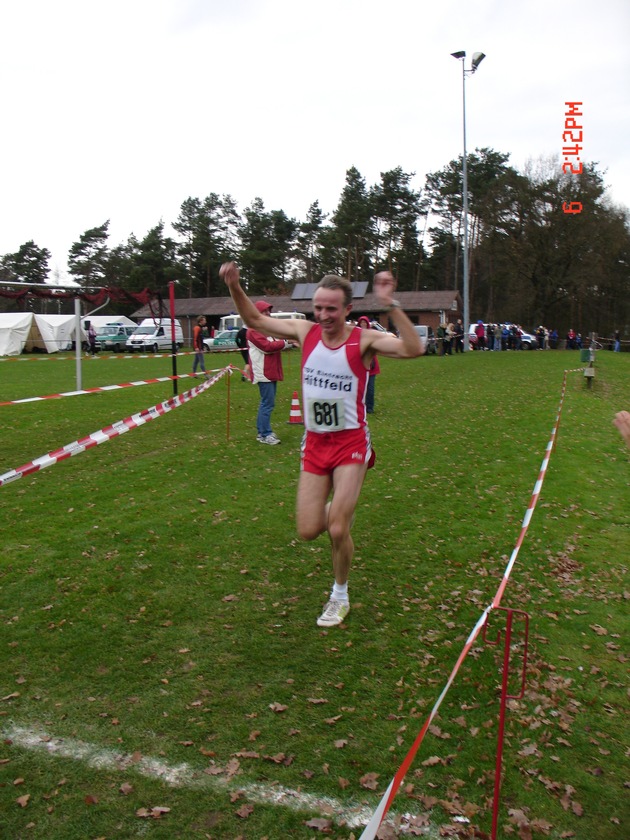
(571, 339)
(553, 339)
(448, 339)
(364, 323)
(513, 342)
(241, 343)
(441, 333)
(265, 358)
(199, 347)
(459, 336)
(91, 335)
(480, 332)
(617, 341)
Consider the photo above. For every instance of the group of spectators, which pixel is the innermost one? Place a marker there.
(450, 336)
(510, 337)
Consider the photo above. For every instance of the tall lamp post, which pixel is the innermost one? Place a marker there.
(477, 58)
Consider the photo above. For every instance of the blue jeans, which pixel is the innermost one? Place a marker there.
(266, 406)
(199, 361)
(369, 395)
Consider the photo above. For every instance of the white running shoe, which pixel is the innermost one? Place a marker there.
(271, 439)
(334, 613)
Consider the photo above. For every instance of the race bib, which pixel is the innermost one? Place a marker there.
(326, 415)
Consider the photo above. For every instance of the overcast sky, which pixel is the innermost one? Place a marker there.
(122, 110)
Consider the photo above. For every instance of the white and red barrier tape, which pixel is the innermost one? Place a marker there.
(379, 815)
(109, 432)
(105, 355)
(102, 388)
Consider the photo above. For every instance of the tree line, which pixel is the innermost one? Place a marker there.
(533, 257)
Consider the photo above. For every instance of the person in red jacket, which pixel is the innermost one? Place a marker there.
(265, 359)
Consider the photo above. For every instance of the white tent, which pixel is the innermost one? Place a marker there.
(53, 333)
(14, 330)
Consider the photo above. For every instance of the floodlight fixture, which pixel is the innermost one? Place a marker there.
(477, 58)
(459, 54)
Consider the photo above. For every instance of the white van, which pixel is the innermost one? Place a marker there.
(235, 322)
(286, 315)
(154, 334)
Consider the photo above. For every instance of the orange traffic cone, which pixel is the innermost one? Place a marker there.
(296, 412)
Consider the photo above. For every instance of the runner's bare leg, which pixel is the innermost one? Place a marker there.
(347, 483)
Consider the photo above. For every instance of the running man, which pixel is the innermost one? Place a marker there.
(336, 448)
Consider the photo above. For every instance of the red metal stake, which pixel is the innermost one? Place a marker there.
(504, 698)
(227, 420)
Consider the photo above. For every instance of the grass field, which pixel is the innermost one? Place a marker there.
(161, 672)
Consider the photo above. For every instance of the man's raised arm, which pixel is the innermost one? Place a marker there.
(409, 344)
(254, 319)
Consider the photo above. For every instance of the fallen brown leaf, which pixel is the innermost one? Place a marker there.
(245, 811)
(369, 781)
(319, 824)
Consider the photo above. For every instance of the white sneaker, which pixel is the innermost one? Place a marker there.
(271, 439)
(334, 613)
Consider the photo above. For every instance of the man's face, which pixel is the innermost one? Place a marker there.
(330, 310)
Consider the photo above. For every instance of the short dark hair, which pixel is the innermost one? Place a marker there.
(333, 281)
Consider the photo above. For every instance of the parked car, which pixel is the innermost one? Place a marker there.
(114, 336)
(427, 334)
(224, 340)
(528, 340)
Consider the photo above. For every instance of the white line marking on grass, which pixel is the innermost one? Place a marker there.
(181, 775)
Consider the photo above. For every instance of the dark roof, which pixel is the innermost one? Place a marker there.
(217, 306)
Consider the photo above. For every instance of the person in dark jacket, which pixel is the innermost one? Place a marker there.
(241, 343)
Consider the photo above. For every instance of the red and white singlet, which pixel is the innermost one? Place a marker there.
(334, 382)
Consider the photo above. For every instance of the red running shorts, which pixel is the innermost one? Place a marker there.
(321, 453)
